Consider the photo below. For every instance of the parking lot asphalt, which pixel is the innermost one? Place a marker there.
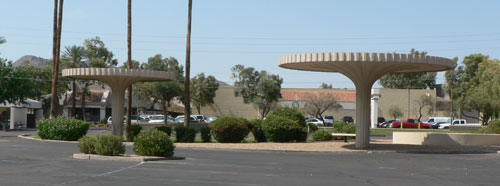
(28, 162)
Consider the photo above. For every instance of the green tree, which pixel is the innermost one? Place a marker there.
(15, 83)
(72, 58)
(395, 112)
(203, 90)
(419, 80)
(326, 86)
(161, 92)
(257, 87)
(474, 86)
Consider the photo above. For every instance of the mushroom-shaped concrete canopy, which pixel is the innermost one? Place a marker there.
(118, 79)
(364, 69)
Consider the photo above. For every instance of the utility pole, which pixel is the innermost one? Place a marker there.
(408, 102)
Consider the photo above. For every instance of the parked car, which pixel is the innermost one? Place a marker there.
(348, 119)
(315, 121)
(387, 124)
(180, 119)
(134, 119)
(380, 120)
(435, 120)
(210, 119)
(458, 122)
(411, 123)
(328, 120)
(199, 118)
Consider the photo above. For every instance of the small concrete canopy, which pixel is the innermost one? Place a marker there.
(118, 79)
(364, 69)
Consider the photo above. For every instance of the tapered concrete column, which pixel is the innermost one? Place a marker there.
(364, 69)
(118, 79)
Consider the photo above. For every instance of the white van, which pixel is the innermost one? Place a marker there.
(435, 120)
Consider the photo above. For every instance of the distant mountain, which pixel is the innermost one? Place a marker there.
(31, 61)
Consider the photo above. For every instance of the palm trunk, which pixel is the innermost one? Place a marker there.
(165, 112)
(53, 103)
(188, 67)
(83, 106)
(129, 64)
(73, 100)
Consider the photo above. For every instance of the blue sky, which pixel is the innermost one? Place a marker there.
(256, 32)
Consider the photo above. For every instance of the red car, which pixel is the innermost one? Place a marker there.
(411, 123)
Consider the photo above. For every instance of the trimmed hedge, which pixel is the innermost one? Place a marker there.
(62, 128)
(493, 127)
(205, 134)
(322, 135)
(285, 124)
(165, 129)
(109, 145)
(341, 127)
(86, 144)
(229, 130)
(153, 142)
(185, 134)
(312, 127)
(133, 131)
(257, 131)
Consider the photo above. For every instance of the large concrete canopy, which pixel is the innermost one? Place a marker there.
(118, 79)
(364, 69)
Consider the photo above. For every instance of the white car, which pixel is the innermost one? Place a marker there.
(315, 121)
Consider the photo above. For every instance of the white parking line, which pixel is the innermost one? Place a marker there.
(99, 175)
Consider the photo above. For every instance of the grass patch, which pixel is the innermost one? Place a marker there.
(388, 132)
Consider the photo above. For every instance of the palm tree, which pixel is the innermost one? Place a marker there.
(72, 58)
(187, 100)
(2, 40)
(129, 61)
(56, 46)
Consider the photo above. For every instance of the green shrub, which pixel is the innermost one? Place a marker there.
(229, 130)
(341, 127)
(205, 134)
(290, 113)
(281, 129)
(62, 128)
(298, 126)
(257, 131)
(312, 127)
(133, 131)
(493, 127)
(165, 129)
(185, 134)
(153, 142)
(86, 144)
(322, 135)
(246, 122)
(109, 145)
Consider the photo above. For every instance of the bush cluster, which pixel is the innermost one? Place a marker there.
(285, 124)
(257, 131)
(205, 134)
(312, 127)
(102, 145)
(322, 135)
(493, 127)
(185, 134)
(229, 130)
(133, 131)
(165, 129)
(153, 142)
(62, 128)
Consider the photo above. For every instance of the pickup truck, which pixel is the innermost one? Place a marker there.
(411, 123)
(457, 122)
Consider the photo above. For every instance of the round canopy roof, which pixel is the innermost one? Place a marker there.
(105, 74)
(337, 61)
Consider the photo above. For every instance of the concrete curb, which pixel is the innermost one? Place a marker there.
(124, 157)
(29, 137)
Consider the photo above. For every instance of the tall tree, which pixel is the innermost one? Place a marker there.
(161, 92)
(98, 56)
(203, 90)
(259, 88)
(129, 60)
(419, 80)
(317, 104)
(187, 100)
(475, 86)
(72, 58)
(55, 55)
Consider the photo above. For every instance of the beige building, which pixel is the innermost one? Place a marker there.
(226, 104)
